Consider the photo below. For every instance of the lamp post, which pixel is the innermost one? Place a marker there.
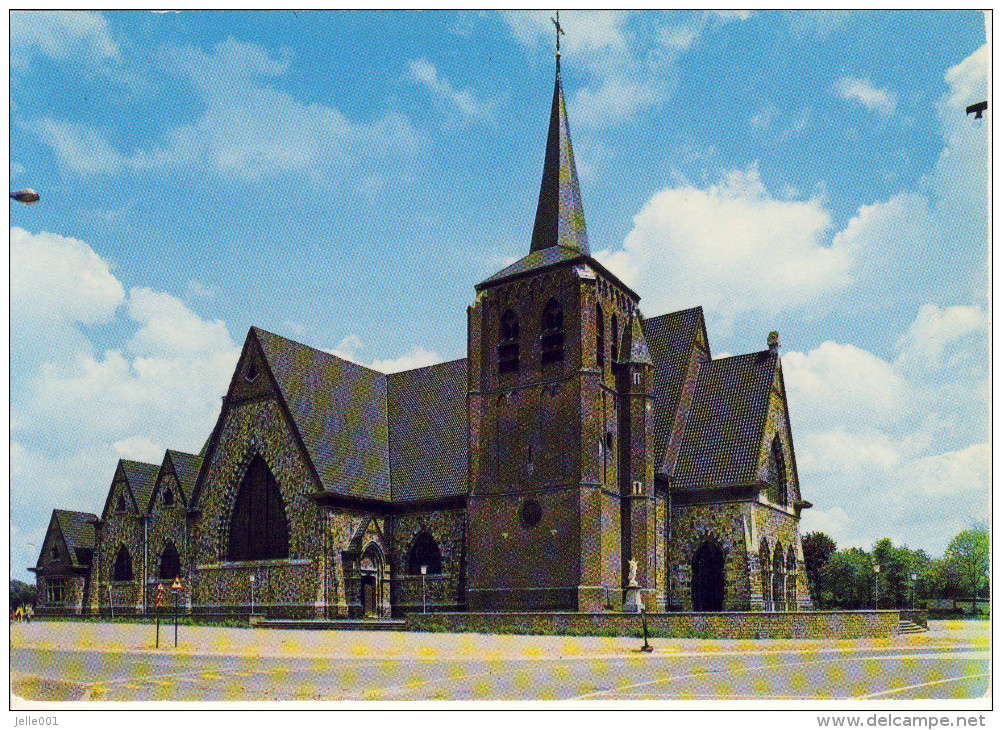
(876, 584)
(252, 579)
(914, 578)
(424, 595)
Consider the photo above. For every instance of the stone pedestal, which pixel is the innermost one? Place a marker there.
(631, 598)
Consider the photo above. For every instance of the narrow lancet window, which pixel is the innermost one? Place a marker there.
(551, 339)
(508, 343)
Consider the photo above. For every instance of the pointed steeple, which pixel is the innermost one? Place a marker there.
(634, 348)
(559, 213)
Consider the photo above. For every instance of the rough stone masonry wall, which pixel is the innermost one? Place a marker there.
(282, 587)
(120, 528)
(443, 592)
(743, 625)
(777, 525)
(74, 594)
(722, 523)
(167, 524)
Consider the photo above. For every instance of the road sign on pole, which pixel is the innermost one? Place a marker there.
(176, 589)
(160, 603)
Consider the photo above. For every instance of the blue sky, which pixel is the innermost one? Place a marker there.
(345, 179)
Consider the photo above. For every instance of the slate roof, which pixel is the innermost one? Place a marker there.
(78, 532)
(142, 478)
(670, 339)
(340, 412)
(723, 434)
(559, 213)
(186, 468)
(536, 260)
(427, 432)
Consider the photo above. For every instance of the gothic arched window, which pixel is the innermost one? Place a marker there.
(425, 552)
(168, 497)
(123, 565)
(777, 467)
(551, 339)
(615, 339)
(258, 529)
(765, 571)
(170, 563)
(599, 336)
(778, 584)
(508, 343)
(791, 579)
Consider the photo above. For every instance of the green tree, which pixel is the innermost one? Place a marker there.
(818, 549)
(968, 556)
(21, 592)
(847, 580)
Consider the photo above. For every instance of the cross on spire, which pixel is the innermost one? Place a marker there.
(560, 32)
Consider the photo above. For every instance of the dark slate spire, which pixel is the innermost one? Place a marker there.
(634, 347)
(559, 213)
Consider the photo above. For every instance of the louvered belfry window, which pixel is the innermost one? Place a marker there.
(551, 340)
(508, 343)
(258, 530)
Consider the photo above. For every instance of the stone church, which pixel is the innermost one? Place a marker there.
(576, 437)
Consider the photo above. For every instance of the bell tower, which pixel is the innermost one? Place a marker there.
(554, 405)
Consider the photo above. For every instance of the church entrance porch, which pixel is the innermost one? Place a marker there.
(708, 578)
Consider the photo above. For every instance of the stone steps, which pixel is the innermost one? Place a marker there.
(909, 627)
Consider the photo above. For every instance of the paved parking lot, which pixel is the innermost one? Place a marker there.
(114, 662)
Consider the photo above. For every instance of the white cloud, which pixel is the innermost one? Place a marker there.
(464, 102)
(197, 290)
(624, 77)
(862, 91)
(731, 247)
(416, 357)
(934, 340)
(884, 438)
(86, 150)
(77, 36)
(351, 346)
(247, 130)
(16, 169)
(76, 405)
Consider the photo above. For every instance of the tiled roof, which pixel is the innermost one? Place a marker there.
(340, 411)
(723, 433)
(142, 478)
(427, 431)
(536, 260)
(78, 532)
(669, 340)
(186, 468)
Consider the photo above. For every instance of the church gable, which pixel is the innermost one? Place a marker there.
(251, 377)
(776, 462)
(55, 554)
(120, 499)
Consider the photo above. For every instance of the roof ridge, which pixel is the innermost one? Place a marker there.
(319, 350)
(426, 367)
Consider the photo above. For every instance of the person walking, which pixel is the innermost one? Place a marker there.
(29, 613)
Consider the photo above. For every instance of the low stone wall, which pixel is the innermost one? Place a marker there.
(726, 625)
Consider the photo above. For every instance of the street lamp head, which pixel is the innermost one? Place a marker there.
(876, 567)
(424, 570)
(252, 578)
(914, 576)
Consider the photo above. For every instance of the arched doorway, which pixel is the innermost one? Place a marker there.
(708, 578)
(370, 586)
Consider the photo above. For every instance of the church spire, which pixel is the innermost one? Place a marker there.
(559, 213)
